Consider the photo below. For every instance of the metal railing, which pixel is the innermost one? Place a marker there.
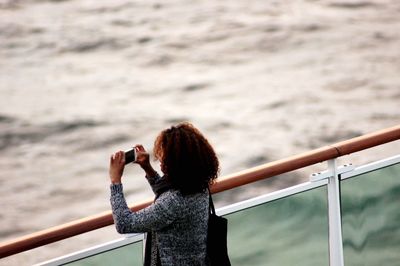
(311, 233)
(264, 171)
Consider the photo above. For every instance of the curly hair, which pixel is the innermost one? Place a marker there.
(188, 160)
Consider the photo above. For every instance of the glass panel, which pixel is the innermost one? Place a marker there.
(288, 231)
(126, 255)
(371, 217)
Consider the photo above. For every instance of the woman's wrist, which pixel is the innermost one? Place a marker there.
(115, 179)
(149, 170)
(116, 182)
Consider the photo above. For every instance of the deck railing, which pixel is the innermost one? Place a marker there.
(264, 171)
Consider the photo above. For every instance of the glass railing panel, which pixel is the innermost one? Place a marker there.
(131, 254)
(371, 217)
(288, 231)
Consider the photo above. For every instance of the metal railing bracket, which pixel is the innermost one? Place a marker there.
(328, 173)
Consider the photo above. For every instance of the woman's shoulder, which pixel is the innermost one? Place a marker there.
(179, 197)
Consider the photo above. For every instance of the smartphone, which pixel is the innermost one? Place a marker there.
(130, 156)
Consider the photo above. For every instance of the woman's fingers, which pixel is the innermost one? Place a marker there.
(140, 147)
(117, 158)
(117, 164)
(121, 157)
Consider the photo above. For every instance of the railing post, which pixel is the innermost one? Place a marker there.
(335, 221)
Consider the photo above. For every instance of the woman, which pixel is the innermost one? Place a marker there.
(177, 220)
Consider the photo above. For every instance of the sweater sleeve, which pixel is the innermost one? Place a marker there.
(155, 182)
(153, 179)
(155, 217)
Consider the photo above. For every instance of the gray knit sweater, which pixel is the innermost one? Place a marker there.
(179, 222)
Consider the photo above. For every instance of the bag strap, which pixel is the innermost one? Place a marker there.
(211, 203)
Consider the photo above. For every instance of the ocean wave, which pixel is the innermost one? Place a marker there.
(15, 132)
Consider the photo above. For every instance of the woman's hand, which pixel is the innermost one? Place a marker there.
(117, 165)
(143, 159)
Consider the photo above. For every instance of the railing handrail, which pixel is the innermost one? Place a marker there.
(264, 171)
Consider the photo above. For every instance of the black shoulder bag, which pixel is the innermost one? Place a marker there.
(217, 250)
